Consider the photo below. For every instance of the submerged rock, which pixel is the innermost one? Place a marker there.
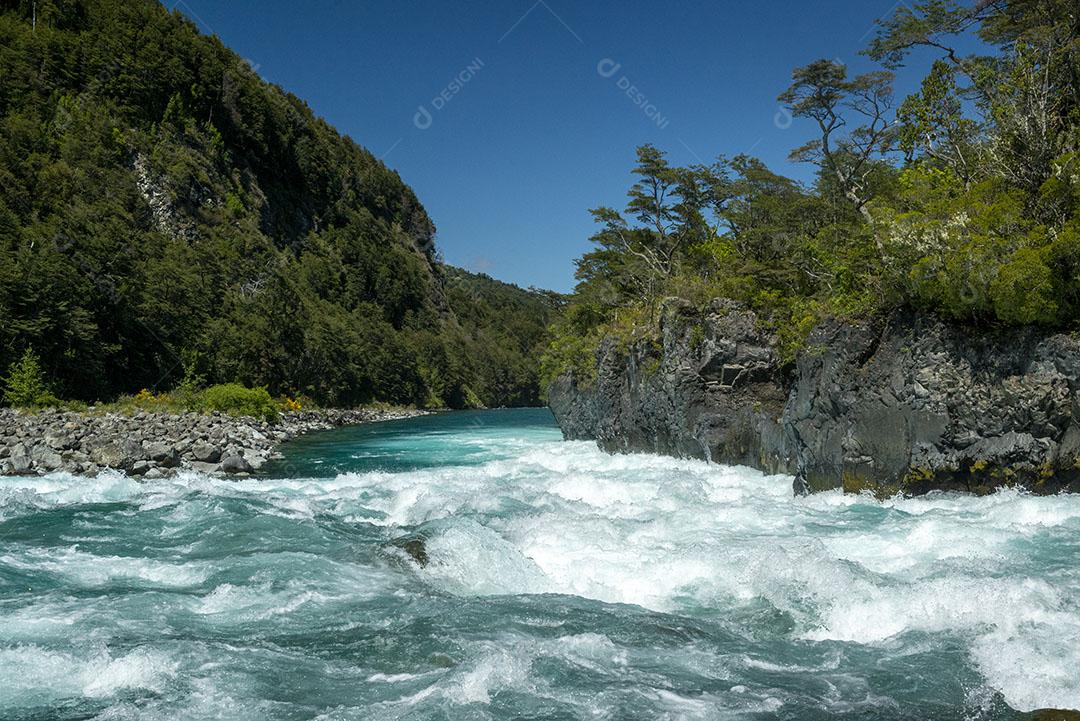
(1052, 714)
(908, 405)
(415, 547)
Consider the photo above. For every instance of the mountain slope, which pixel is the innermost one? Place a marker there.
(164, 211)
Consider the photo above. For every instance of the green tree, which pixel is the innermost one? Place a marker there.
(25, 385)
(1024, 291)
(159, 199)
(933, 124)
(821, 91)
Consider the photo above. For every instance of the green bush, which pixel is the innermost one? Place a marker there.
(25, 385)
(569, 354)
(238, 400)
(1024, 290)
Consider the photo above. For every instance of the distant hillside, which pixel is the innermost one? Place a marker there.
(164, 211)
(510, 326)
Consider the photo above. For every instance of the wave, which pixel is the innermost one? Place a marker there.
(994, 574)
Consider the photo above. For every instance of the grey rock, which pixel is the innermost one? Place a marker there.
(235, 464)
(918, 404)
(205, 453)
(673, 399)
(152, 444)
(109, 455)
(911, 404)
(45, 458)
(19, 461)
(60, 441)
(164, 454)
(255, 459)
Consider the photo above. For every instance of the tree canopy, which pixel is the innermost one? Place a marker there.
(163, 207)
(963, 200)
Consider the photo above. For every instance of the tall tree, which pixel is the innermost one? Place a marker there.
(822, 92)
(1028, 94)
(933, 124)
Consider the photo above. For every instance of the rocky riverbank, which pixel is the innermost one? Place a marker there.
(153, 445)
(909, 403)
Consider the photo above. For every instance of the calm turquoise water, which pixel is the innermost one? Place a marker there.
(561, 583)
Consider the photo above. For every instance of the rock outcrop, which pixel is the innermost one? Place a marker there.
(909, 404)
(152, 445)
(712, 388)
(917, 404)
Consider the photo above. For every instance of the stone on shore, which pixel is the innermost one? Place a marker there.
(154, 445)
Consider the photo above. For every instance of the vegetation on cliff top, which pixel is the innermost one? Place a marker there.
(161, 206)
(964, 200)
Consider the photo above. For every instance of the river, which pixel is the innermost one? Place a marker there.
(559, 583)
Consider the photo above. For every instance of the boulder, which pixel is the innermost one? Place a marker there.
(234, 464)
(109, 455)
(19, 461)
(45, 458)
(163, 454)
(205, 452)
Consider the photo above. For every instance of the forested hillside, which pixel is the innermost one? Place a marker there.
(164, 213)
(961, 200)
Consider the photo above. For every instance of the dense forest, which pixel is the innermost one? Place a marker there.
(166, 216)
(961, 200)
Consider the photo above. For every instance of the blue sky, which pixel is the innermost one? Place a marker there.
(511, 118)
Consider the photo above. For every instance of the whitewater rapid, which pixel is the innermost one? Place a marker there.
(559, 579)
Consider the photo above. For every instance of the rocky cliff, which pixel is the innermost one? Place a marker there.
(909, 403)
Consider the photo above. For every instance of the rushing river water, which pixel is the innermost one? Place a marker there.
(560, 583)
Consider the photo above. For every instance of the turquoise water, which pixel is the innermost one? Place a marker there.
(561, 583)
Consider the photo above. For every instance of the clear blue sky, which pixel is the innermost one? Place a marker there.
(535, 135)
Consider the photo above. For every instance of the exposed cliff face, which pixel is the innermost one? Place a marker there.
(911, 404)
(713, 389)
(919, 404)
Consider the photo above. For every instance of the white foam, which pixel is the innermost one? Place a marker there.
(87, 569)
(471, 559)
(37, 676)
(665, 534)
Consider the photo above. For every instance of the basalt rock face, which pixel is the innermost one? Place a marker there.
(918, 404)
(909, 404)
(712, 388)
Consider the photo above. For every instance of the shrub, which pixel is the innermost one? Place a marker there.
(1024, 290)
(237, 400)
(25, 386)
(570, 354)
